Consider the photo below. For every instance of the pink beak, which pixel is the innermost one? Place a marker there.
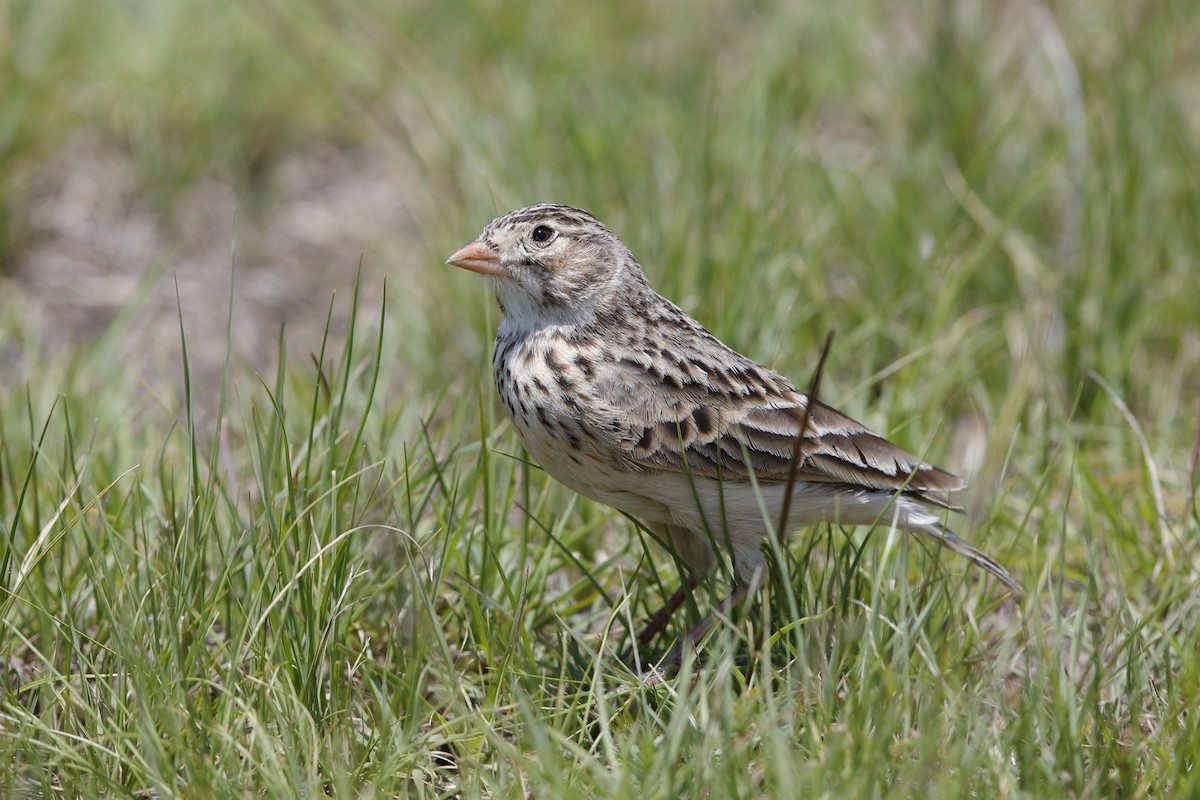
(477, 257)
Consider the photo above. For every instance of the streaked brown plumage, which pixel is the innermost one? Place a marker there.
(626, 399)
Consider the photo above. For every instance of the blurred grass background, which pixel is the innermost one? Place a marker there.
(276, 541)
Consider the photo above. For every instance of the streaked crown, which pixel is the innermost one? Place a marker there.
(552, 261)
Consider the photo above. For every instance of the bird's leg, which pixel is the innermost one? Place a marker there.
(693, 637)
(723, 610)
(660, 619)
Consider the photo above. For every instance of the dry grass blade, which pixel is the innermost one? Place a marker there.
(814, 387)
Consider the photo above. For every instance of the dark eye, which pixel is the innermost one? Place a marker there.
(543, 233)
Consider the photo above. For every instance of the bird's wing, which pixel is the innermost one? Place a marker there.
(741, 418)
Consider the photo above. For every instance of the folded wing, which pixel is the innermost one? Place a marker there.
(728, 429)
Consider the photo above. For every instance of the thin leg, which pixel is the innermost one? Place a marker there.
(660, 619)
(657, 673)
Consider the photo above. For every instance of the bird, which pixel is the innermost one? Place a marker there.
(623, 397)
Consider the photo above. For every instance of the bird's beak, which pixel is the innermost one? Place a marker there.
(477, 257)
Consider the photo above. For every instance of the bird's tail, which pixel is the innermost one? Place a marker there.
(936, 530)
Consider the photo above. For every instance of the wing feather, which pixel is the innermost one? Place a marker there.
(747, 420)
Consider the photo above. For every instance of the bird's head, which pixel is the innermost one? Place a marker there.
(552, 263)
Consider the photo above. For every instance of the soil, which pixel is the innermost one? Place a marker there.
(95, 247)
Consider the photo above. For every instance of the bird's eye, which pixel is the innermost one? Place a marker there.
(543, 233)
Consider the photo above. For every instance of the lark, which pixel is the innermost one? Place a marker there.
(627, 400)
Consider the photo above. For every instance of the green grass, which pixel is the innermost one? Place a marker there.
(343, 577)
